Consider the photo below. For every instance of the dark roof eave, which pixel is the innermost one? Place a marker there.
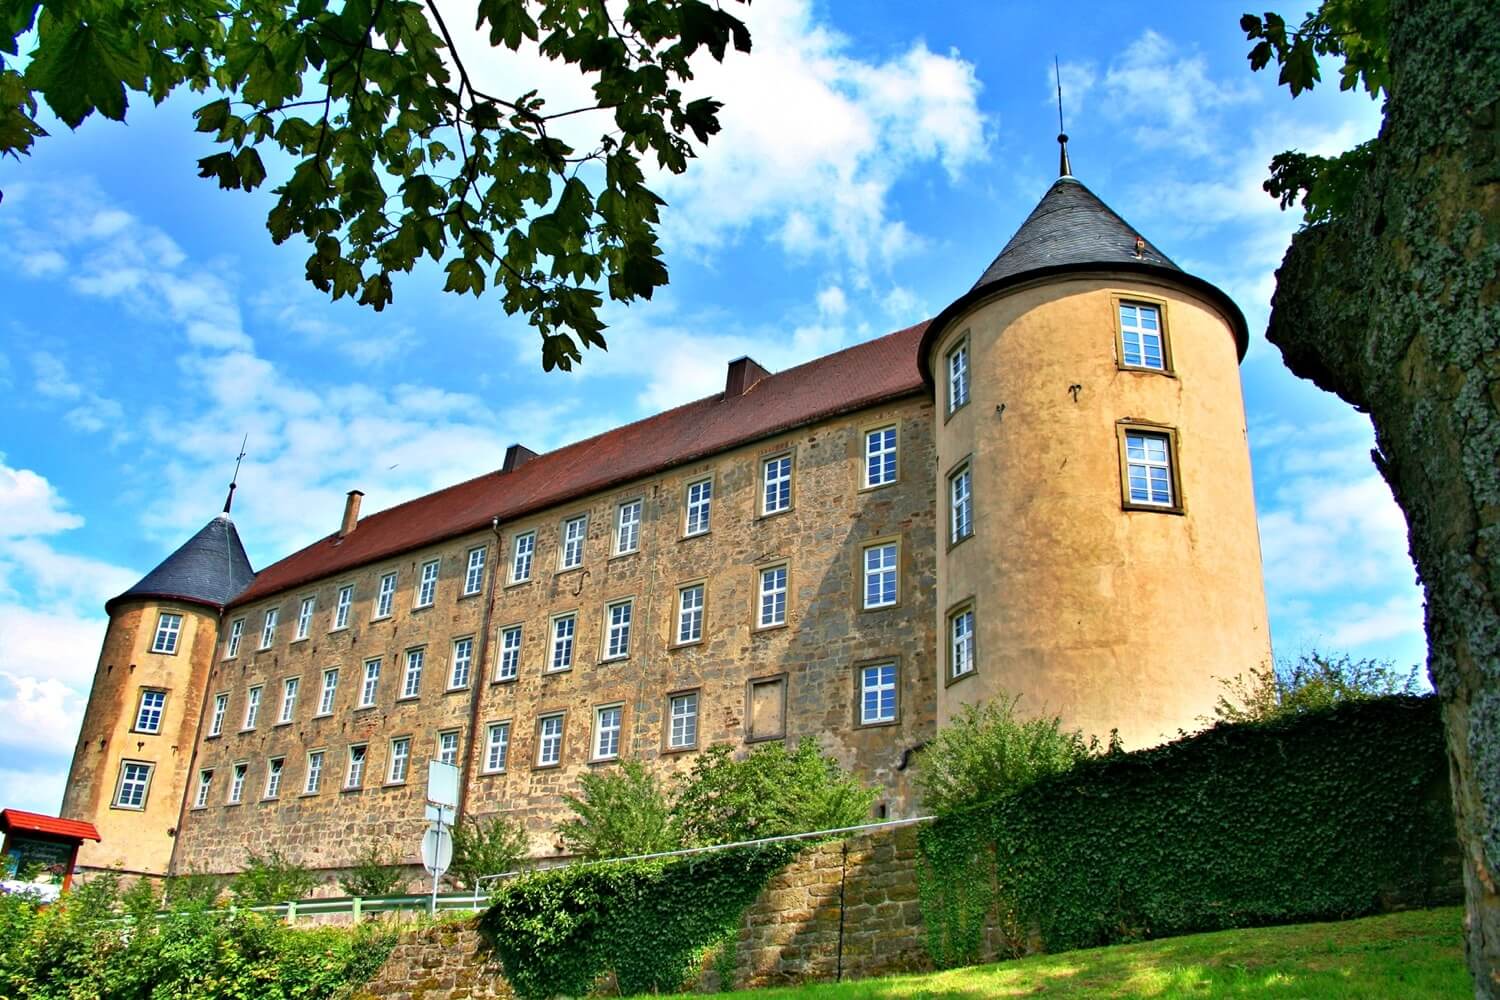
(1191, 282)
(604, 484)
(145, 595)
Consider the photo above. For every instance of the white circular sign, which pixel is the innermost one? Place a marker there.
(437, 850)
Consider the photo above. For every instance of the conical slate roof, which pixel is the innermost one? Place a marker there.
(1071, 226)
(210, 568)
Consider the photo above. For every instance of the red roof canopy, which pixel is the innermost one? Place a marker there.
(19, 821)
(848, 380)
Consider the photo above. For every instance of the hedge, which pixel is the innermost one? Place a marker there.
(1326, 815)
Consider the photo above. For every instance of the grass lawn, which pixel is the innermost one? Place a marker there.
(1415, 954)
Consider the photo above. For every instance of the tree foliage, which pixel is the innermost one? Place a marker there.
(1312, 682)
(486, 847)
(988, 752)
(620, 813)
(381, 148)
(767, 793)
(376, 872)
(271, 878)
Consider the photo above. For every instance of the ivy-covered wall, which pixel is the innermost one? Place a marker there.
(1323, 816)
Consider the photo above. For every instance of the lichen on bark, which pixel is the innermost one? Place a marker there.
(1395, 306)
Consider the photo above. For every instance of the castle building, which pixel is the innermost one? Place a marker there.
(1043, 492)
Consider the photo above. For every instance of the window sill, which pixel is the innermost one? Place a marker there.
(351, 788)
(518, 583)
(951, 680)
(381, 618)
(565, 570)
(164, 652)
(766, 516)
(409, 697)
(270, 798)
(1144, 370)
(953, 411)
(505, 680)
(264, 649)
(686, 749)
(1151, 508)
(546, 767)
(689, 536)
(308, 795)
(614, 659)
(559, 670)
(955, 544)
(597, 761)
(364, 708)
(132, 809)
(232, 805)
(422, 607)
(214, 736)
(145, 732)
(765, 739)
(394, 784)
(685, 645)
(198, 809)
(456, 690)
(886, 723)
(491, 774)
(283, 722)
(336, 631)
(879, 486)
(323, 715)
(880, 607)
(624, 555)
(763, 629)
(295, 642)
(472, 595)
(247, 729)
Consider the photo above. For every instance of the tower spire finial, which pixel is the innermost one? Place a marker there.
(1064, 168)
(234, 481)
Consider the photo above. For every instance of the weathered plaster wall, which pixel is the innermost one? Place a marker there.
(1112, 618)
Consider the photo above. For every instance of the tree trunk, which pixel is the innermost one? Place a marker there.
(1395, 306)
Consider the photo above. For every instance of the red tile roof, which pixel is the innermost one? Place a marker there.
(29, 822)
(851, 379)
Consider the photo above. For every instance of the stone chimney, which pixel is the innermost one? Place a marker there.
(516, 456)
(351, 513)
(743, 373)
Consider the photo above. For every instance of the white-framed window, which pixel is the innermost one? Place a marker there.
(575, 531)
(148, 714)
(881, 590)
(617, 617)
(772, 597)
(682, 713)
(342, 606)
(496, 746)
(523, 547)
(354, 771)
(221, 708)
(329, 691)
(252, 707)
(1141, 344)
(236, 636)
(205, 782)
(700, 501)
(237, 783)
(135, 779)
(304, 616)
(1148, 465)
(447, 747)
(607, 732)
(371, 685)
(549, 740)
(563, 629)
(168, 630)
(463, 663)
(509, 665)
(268, 628)
(474, 572)
(273, 776)
(427, 584)
(690, 613)
(400, 760)
(961, 643)
(289, 689)
(628, 527)
(776, 484)
(880, 456)
(385, 596)
(314, 782)
(958, 376)
(877, 694)
(960, 504)
(411, 677)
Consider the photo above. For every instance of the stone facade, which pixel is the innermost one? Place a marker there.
(804, 672)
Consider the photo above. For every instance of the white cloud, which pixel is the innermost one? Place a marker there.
(33, 789)
(832, 303)
(30, 506)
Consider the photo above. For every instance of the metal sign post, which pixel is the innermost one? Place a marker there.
(437, 842)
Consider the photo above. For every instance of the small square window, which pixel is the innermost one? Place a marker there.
(776, 485)
(463, 663)
(205, 783)
(400, 760)
(148, 714)
(371, 685)
(496, 747)
(168, 630)
(448, 747)
(411, 678)
(682, 721)
(549, 741)
(314, 782)
(1143, 341)
(273, 777)
(427, 584)
(575, 533)
(881, 588)
(135, 780)
(564, 628)
(773, 586)
(330, 690)
(628, 527)
(880, 457)
(354, 770)
(690, 614)
(877, 694)
(1150, 479)
(617, 617)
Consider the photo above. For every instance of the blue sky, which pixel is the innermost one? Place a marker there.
(875, 157)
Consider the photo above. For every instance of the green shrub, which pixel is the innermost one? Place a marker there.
(767, 793)
(619, 813)
(269, 878)
(1319, 815)
(193, 890)
(1312, 682)
(988, 752)
(375, 873)
(482, 848)
(559, 931)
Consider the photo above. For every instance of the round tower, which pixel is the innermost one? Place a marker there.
(129, 771)
(1101, 557)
